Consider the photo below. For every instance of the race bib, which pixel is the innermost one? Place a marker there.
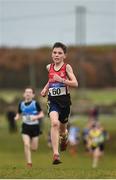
(58, 91)
(27, 118)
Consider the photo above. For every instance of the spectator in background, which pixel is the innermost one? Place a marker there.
(94, 113)
(73, 139)
(10, 119)
(84, 138)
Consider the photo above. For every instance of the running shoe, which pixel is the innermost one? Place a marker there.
(29, 165)
(56, 159)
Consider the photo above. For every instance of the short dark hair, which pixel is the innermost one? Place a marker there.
(60, 45)
(33, 90)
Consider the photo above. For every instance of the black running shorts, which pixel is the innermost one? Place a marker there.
(31, 130)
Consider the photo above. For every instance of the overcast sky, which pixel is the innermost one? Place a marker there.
(35, 23)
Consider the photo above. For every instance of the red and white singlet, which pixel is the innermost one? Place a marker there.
(57, 88)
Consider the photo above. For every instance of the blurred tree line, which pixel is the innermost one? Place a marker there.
(94, 66)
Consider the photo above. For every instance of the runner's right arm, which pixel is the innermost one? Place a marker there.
(45, 89)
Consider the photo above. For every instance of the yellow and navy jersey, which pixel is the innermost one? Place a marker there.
(94, 133)
(95, 137)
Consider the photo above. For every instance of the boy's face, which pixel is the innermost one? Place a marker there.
(28, 94)
(58, 55)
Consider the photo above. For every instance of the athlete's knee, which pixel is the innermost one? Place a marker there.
(55, 124)
(34, 148)
(26, 145)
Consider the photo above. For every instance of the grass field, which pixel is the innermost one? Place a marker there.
(12, 162)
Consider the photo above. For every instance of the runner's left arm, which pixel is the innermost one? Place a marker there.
(40, 114)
